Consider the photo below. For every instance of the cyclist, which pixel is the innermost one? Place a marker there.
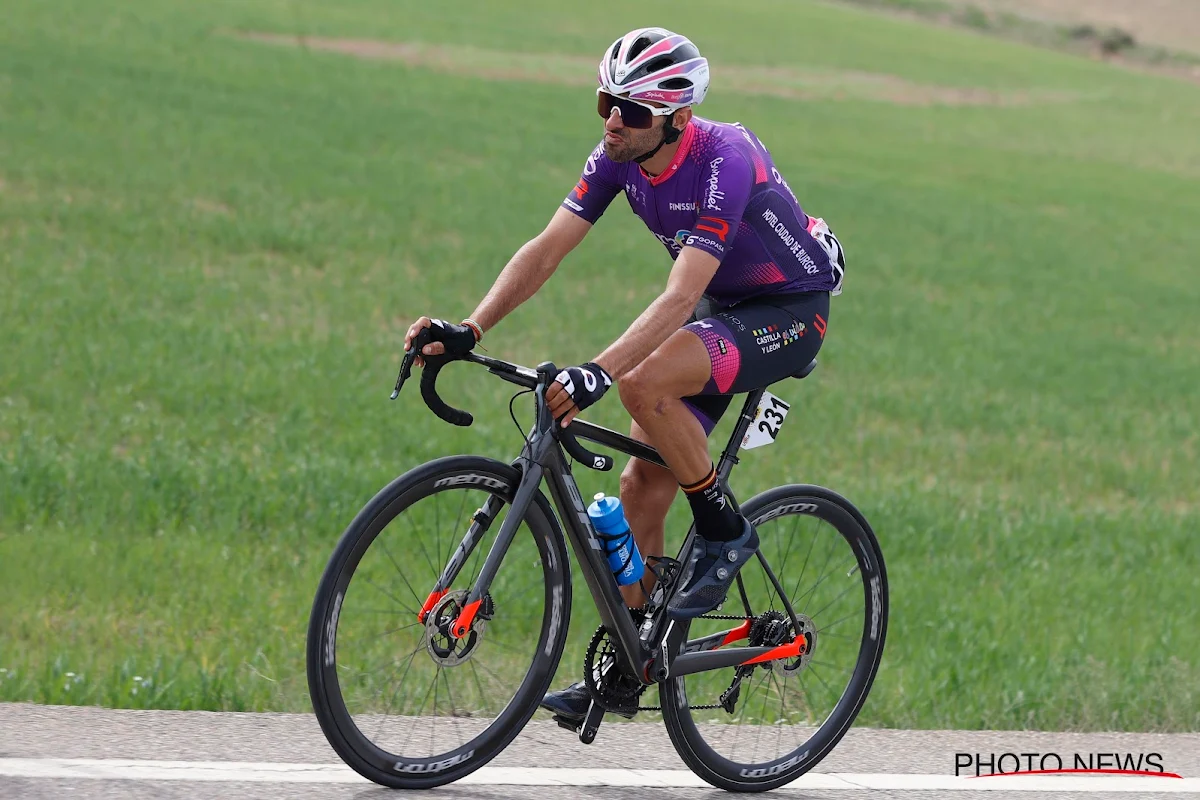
(746, 302)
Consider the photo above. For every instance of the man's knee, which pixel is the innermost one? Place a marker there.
(642, 387)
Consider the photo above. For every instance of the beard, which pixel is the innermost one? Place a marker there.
(633, 144)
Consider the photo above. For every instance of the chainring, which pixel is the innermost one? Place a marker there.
(609, 686)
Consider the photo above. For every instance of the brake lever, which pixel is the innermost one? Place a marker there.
(422, 338)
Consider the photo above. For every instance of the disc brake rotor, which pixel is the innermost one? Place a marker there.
(443, 647)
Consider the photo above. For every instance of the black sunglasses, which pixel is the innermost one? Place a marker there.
(633, 114)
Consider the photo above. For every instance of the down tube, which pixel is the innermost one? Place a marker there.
(592, 563)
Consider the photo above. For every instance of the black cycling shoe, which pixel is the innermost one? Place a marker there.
(716, 565)
(572, 703)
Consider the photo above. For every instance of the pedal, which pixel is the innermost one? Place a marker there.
(591, 723)
(572, 725)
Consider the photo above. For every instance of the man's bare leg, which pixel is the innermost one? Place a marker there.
(651, 393)
(647, 491)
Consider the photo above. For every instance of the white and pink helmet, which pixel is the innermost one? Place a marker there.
(655, 64)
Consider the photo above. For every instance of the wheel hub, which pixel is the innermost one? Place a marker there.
(443, 646)
(773, 628)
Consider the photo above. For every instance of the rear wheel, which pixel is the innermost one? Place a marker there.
(404, 702)
(766, 725)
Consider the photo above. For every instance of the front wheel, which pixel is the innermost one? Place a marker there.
(401, 699)
(755, 728)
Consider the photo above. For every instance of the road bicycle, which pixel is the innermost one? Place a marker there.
(440, 621)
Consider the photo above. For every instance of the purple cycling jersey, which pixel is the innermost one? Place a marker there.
(722, 194)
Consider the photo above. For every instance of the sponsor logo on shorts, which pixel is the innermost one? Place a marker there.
(768, 339)
(793, 333)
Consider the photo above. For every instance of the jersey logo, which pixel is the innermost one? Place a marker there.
(580, 189)
(681, 237)
(714, 225)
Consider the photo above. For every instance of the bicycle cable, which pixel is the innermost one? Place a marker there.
(513, 414)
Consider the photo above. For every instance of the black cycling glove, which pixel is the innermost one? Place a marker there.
(458, 339)
(586, 383)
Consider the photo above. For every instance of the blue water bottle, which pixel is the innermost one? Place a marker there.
(623, 557)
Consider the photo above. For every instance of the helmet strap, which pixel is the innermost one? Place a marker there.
(671, 135)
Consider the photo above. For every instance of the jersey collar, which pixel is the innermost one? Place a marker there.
(685, 144)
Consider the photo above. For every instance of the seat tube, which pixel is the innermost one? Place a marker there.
(729, 455)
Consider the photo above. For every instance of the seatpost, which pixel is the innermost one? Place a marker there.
(729, 454)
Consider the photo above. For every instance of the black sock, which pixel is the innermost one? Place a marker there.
(716, 520)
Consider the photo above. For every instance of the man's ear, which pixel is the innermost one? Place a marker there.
(680, 118)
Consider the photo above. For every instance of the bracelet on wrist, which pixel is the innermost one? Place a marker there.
(474, 326)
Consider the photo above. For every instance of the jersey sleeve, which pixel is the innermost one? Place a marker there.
(596, 188)
(725, 185)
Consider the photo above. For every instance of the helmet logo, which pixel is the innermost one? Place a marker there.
(620, 73)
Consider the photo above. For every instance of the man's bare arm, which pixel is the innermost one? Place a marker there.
(530, 267)
(689, 277)
(526, 271)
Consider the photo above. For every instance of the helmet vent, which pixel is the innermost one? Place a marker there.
(638, 46)
(676, 83)
(659, 63)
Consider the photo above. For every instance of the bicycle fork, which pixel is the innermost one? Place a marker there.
(481, 522)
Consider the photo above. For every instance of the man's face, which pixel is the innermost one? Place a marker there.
(624, 144)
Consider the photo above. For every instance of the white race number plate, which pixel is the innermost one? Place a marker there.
(768, 419)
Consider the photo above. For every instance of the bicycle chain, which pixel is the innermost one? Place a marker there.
(709, 707)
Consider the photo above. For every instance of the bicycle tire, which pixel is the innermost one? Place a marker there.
(682, 728)
(337, 723)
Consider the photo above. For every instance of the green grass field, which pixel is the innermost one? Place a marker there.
(210, 248)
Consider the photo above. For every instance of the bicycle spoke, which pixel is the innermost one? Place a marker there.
(825, 629)
(421, 542)
(783, 566)
(397, 630)
(453, 710)
(841, 594)
(433, 720)
(817, 675)
(830, 666)
(417, 716)
(388, 594)
(782, 712)
(479, 687)
(400, 572)
(399, 684)
(824, 570)
(804, 568)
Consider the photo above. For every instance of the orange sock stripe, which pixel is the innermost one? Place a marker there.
(707, 481)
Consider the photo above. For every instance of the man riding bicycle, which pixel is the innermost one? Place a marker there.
(746, 303)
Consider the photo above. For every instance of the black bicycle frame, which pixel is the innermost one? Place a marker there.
(657, 650)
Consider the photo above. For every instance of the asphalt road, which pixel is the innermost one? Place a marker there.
(51, 741)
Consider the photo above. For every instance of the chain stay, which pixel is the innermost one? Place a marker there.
(709, 707)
